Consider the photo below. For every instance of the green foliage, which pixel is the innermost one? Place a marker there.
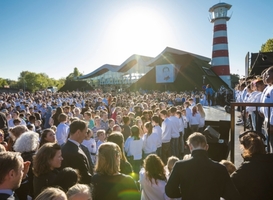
(73, 76)
(268, 46)
(32, 81)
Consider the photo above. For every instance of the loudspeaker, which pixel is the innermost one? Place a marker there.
(212, 135)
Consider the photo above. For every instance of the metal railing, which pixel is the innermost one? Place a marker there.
(232, 125)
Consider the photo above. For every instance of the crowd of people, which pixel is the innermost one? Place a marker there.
(95, 145)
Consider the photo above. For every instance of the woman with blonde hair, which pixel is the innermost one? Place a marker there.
(152, 179)
(202, 118)
(108, 183)
(51, 194)
(139, 124)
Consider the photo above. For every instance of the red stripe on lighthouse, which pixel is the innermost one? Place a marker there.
(220, 53)
(220, 27)
(220, 40)
(221, 70)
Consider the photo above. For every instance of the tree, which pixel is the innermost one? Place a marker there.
(72, 76)
(268, 46)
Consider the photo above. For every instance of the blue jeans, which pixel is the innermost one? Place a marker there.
(174, 147)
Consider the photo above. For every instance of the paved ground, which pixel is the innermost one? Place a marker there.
(218, 113)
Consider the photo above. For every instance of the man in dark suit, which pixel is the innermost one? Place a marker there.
(12, 171)
(75, 155)
(199, 177)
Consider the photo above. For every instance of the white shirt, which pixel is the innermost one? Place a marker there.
(268, 98)
(157, 129)
(150, 143)
(181, 124)
(62, 133)
(151, 191)
(195, 120)
(166, 130)
(175, 126)
(134, 147)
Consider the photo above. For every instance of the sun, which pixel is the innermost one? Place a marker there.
(139, 30)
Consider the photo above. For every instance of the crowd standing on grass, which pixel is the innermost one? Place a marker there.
(95, 145)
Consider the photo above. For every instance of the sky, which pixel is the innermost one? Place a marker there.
(55, 36)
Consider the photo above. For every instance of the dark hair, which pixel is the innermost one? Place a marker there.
(252, 143)
(41, 160)
(135, 132)
(44, 135)
(173, 109)
(164, 112)
(66, 178)
(149, 127)
(126, 119)
(8, 161)
(154, 168)
(77, 125)
(62, 117)
(155, 119)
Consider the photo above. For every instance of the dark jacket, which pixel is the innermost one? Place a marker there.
(200, 178)
(8, 197)
(116, 187)
(76, 158)
(43, 181)
(254, 178)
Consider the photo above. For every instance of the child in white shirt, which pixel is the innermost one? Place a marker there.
(90, 143)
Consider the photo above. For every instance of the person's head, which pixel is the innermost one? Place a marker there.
(89, 134)
(104, 115)
(252, 144)
(194, 110)
(27, 142)
(126, 120)
(51, 193)
(135, 132)
(101, 134)
(47, 158)
(149, 128)
(17, 121)
(170, 163)
(97, 120)
(118, 119)
(11, 168)
(87, 115)
(17, 131)
(200, 109)
(66, 178)
(268, 76)
(79, 192)
(163, 114)
(154, 168)
(139, 122)
(117, 128)
(173, 110)
(178, 114)
(32, 119)
(111, 122)
(78, 130)
(108, 162)
(229, 166)
(62, 117)
(117, 138)
(155, 120)
(48, 135)
(197, 141)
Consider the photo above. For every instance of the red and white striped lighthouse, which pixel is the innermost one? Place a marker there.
(220, 56)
